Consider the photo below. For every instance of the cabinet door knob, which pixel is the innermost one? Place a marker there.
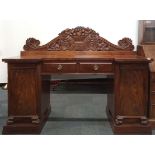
(96, 67)
(59, 67)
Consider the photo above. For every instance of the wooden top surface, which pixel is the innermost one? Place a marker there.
(36, 56)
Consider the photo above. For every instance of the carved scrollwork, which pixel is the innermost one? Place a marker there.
(31, 43)
(126, 43)
(79, 39)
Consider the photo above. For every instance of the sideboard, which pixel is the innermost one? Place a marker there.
(78, 52)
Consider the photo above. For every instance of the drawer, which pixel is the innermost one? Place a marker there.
(95, 68)
(59, 68)
(152, 111)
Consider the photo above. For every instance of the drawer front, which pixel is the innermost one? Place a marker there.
(59, 68)
(95, 68)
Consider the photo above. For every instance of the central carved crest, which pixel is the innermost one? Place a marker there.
(79, 39)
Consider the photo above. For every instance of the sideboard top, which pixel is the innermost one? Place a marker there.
(76, 44)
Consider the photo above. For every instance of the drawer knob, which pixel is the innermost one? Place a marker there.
(59, 67)
(96, 67)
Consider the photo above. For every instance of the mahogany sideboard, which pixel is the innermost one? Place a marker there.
(79, 51)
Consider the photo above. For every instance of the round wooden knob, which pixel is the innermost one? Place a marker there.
(59, 67)
(96, 67)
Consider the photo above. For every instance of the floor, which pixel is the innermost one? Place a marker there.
(72, 114)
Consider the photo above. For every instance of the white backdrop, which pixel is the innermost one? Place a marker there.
(45, 19)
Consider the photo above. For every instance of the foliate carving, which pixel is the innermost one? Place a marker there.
(126, 43)
(31, 43)
(79, 39)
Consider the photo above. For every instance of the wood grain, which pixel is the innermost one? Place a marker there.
(79, 51)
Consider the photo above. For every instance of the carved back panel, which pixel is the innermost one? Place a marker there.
(79, 39)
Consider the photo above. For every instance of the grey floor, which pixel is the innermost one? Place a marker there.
(72, 114)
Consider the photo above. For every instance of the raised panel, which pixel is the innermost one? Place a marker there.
(133, 92)
(22, 92)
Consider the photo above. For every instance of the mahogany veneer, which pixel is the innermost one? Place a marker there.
(79, 51)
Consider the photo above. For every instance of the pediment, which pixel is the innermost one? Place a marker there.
(79, 39)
